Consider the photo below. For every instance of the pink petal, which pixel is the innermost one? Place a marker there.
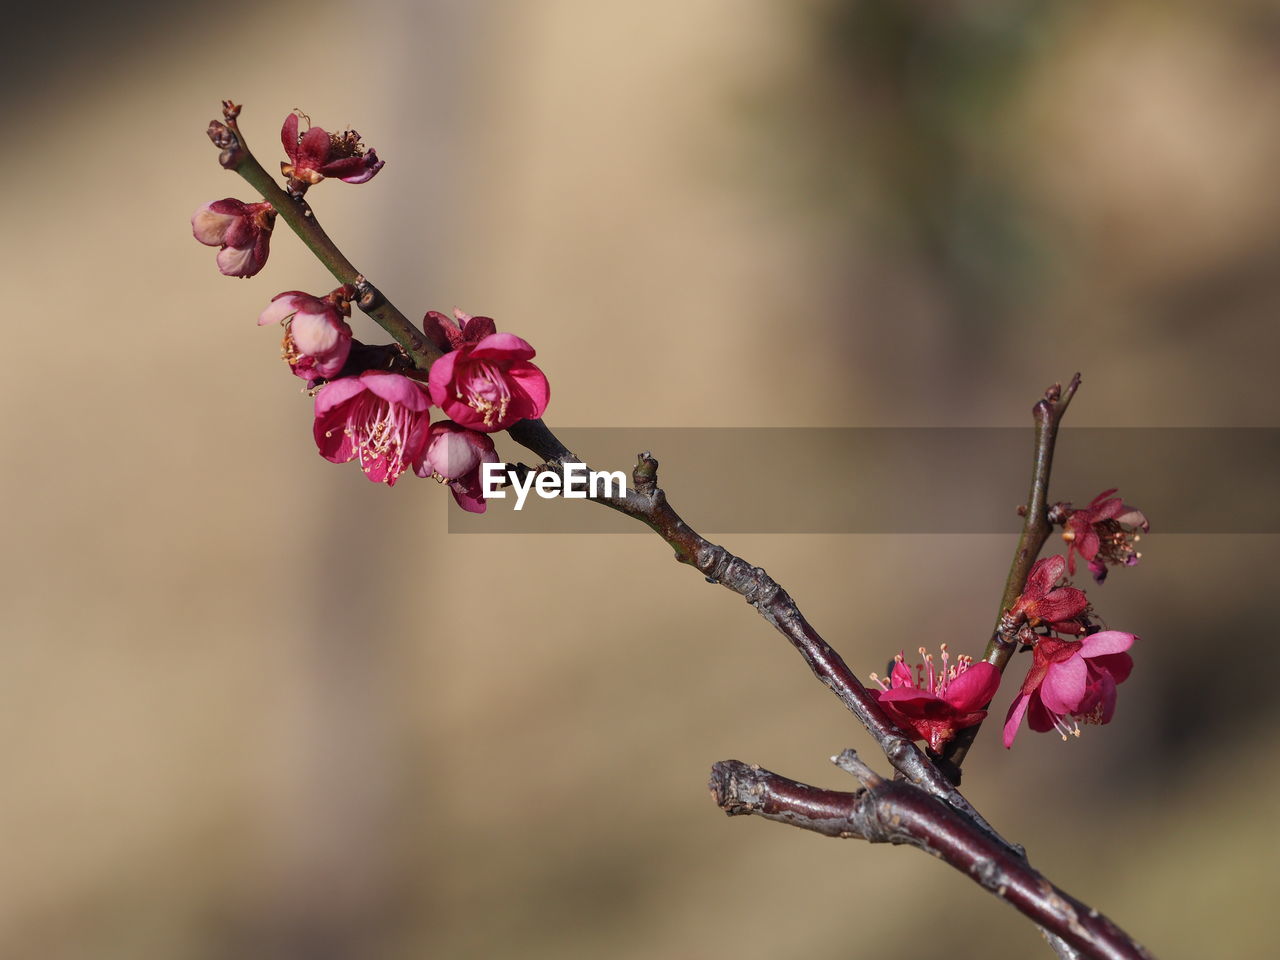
(532, 382)
(1013, 719)
(1134, 518)
(502, 346)
(280, 307)
(468, 496)
(974, 688)
(337, 392)
(1118, 665)
(438, 379)
(394, 388)
(1063, 686)
(1107, 641)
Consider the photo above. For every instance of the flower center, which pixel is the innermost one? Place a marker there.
(485, 391)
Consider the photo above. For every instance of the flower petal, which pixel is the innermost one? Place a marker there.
(1013, 719)
(337, 392)
(1107, 641)
(974, 688)
(502, 346)
(281, 306)
(394, 388)
(1064, 684)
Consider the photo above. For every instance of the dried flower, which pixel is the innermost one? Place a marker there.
(317, 154)
(1104, 533)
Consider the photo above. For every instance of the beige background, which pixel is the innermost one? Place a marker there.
(254, 706)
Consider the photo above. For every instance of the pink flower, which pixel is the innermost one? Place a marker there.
(485, 381)
(1074, 678)
(317, 340)
(454, 456)
(316, 154)
(1042, 602)
(380, 417)
(933, 706)
(1104, 533)
(243, 230)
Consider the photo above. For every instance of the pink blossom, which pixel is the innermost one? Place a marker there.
(316, 154)
(933, 706)
(1104, 533)
(485, 381)
(454, 456)
(317, 340)
(1075, 678)
(1043, 602)
(242, 230)
(380, 417)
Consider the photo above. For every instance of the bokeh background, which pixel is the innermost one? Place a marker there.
(255, 706)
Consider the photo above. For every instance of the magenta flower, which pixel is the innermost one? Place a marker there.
(485, 380)
(1104, 533)
(242, 230)
(317, 340)
(933, 706)
(316, 154)
(454, 456)
(380, 417)
(1075, 678)
(1042, 602)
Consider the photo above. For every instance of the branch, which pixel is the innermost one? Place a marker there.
(894, 811)
(1048, 413)
(646, 503)
(296, 212)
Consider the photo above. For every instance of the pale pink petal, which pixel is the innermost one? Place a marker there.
(1108, 641)
(210, 227)
(237, 262)
(280, 307)
(1063, 685)
(315, 332)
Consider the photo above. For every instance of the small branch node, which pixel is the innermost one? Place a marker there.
(849, 761)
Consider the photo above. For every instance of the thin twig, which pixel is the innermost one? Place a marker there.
(1048, 413)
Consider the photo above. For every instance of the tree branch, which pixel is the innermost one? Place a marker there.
(1048, 413)
(898, 812)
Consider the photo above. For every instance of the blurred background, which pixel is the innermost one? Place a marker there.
(255, 706)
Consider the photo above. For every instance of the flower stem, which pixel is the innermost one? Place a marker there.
(1048, 413)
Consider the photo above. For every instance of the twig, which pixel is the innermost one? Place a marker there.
(898, 812)
(1048, 413)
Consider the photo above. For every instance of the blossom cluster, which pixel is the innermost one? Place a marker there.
(1076, 665)
(484, 382)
